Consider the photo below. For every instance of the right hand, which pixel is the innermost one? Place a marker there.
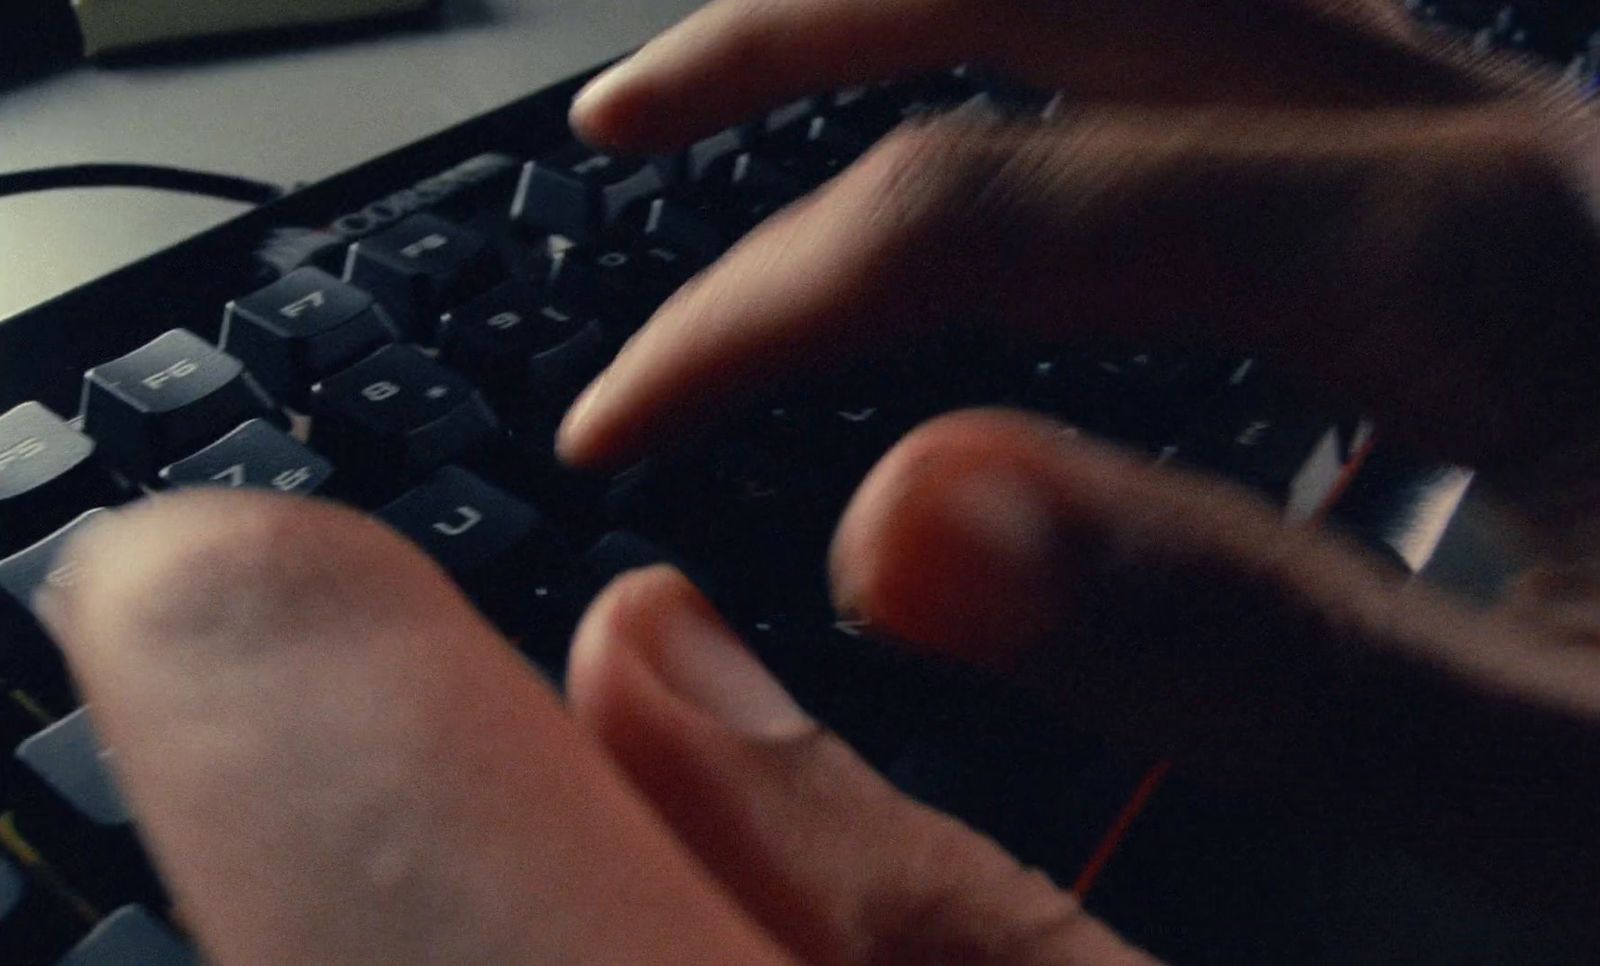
(1403, 225)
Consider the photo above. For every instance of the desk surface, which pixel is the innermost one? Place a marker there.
(283, 116)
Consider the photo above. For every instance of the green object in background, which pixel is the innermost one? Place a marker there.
(109, 26)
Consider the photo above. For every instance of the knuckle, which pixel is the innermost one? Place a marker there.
(932, 168)
(953, 197)
(232, 556)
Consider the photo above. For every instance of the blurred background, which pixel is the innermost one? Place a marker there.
(289, 107)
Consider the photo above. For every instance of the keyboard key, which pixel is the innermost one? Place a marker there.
(613, 555)
(68, 807)
(35, 926)
(681, 226)
(828, 145)
(131, 936)
(701, 160)
(421, 267)
(521, 348)
(494, 545)
(302, 327)
(27, 657)
(23, 573)
(1265, 446)
(167, 399)
(66, 757)
(257, 455)
(581, 194)
(787, 123)
(1253, 429)
(48, 474)
(396, 416)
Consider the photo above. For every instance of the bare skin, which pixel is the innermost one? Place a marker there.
(336, 761)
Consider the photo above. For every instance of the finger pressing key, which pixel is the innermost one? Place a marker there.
(334, 760)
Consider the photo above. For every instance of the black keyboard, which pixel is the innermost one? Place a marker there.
(404, 337)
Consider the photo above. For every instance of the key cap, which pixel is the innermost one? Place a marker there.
(1255, 431)
(1266, 447)
(581, 194)
(69, 808)
(302, 327)
(421, 267)
(680, 226)
(131, 936)
(494, 545)
(396, 416)
(257, 455)
(828, 145)
(35, 927)
(48, 474)
(12, 889)
(522, 348)
(167, 399)
(1144, 398)
(705, 157)
(27, 656)
(786, 124)
(66, 757)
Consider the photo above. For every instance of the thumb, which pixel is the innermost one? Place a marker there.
(829, 857)
(1179, 616)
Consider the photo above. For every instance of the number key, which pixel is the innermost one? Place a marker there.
(421, 267)
(397, 415)
(257, 455)
(302, 327)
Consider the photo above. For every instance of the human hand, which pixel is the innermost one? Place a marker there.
(1382, 217)
(335, 760)
(1401, 224)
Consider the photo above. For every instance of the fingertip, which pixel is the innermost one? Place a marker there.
(653, 646)
(608, 110)
(955, 542)
(620, 619)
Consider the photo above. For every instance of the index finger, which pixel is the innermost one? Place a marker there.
(734, 57)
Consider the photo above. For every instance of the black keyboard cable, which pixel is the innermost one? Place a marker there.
(158, 177)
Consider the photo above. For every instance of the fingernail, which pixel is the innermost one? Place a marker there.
(570, 433)
(701, 662)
